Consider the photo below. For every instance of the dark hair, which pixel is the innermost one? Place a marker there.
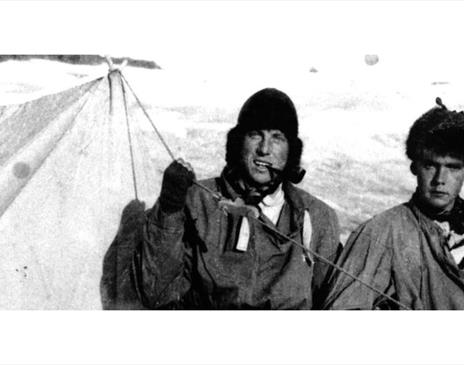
(440, 131)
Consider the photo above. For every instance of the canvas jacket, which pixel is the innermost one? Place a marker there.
(188, 260)
(404, 254)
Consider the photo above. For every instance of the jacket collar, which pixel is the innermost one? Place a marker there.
(436, 240)
(292, 197)
(296, 203)
(455, 217)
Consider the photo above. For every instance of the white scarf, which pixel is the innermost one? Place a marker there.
(453, 240)
(272, 204)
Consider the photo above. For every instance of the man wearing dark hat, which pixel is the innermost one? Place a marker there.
(414, 252)
(201, 252)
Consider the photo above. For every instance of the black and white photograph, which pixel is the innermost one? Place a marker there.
(231, 182)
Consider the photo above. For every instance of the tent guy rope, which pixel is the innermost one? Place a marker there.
(129, 137)
(160, 136)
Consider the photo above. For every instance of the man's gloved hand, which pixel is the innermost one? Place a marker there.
(177, 178)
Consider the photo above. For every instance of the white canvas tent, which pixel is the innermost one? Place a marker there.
(66, 173)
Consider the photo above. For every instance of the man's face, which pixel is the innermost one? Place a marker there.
(261, 149)
(439, 180)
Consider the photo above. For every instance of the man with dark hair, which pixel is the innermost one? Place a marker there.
(413, 252)
(201, 252)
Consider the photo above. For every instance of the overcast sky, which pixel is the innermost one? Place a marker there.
(215, 37)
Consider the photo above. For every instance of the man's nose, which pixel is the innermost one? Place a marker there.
(264, 147)
(441, 174)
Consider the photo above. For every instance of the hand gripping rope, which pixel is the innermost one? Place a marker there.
(249, 213)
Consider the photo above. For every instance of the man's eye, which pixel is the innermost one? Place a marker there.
(253, 134)
(427, 165)
(279, 137)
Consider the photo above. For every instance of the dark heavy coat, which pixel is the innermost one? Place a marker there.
(188, 259)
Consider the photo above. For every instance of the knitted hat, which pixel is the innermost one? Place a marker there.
(269, 109)
(439, 130)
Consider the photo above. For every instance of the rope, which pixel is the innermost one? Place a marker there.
(129, 137)
(219, 196)
(148, 117)
(160, 136)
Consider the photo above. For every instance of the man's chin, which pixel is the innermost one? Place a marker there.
(438, 205)
(263, 183)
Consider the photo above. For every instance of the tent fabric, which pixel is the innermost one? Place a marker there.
(65, 177)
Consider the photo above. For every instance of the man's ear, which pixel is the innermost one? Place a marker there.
(412, 167)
